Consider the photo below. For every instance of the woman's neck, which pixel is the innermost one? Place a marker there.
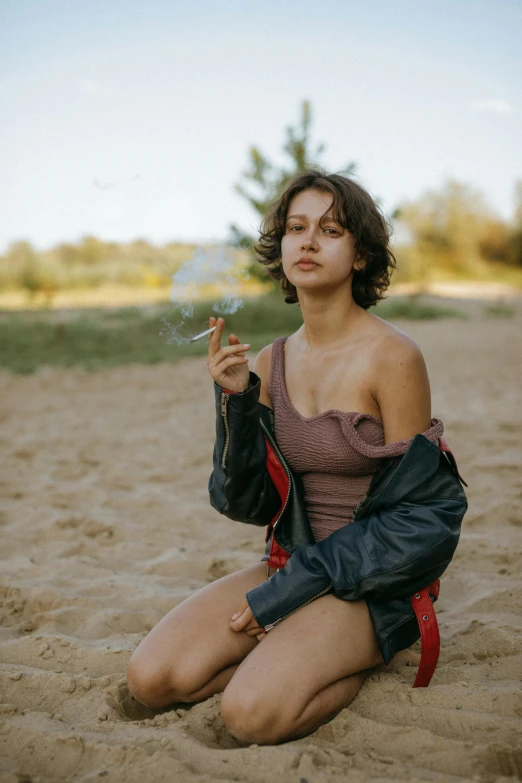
(329, 320)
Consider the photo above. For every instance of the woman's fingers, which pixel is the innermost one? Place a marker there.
(233, 361)
(229, 351)
(242, 618)
(214, 339)
(245, 605)
(228, 360)
(224, 362)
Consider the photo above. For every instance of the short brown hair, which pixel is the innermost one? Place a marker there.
(354, 209)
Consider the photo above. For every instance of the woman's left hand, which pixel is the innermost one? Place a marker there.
(243, 620)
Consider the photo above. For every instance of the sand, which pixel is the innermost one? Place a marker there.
(106, 525)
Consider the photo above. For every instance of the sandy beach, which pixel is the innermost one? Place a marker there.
(105, 525)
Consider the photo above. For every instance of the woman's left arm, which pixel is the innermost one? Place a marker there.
(401, 389)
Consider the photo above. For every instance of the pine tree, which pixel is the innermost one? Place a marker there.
(270, 179)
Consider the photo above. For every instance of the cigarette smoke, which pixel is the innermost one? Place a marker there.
(209, 271)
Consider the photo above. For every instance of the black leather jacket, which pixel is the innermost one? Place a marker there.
(402, 538)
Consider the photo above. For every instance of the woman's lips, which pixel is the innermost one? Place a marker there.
(306, 264)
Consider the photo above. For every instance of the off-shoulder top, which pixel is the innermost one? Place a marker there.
(336, 453)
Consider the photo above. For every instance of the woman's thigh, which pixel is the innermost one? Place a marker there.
(322, 643)
(193, 642)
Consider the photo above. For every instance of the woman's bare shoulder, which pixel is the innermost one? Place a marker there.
(400, 383)
(389, 342)
(262, 365)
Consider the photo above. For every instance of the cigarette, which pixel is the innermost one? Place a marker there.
(203, 334)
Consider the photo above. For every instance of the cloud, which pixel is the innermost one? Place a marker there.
(492, 106)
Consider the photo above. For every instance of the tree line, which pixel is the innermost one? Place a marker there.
(450, 232)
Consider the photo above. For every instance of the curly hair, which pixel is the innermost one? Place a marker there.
(354, 209)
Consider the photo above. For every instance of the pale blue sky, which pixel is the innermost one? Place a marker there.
(158, 103)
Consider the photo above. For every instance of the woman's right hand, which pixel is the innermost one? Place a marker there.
(227, 365)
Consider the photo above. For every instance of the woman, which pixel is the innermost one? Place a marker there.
(333, 427)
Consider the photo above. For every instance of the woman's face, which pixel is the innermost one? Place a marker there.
(313, 255)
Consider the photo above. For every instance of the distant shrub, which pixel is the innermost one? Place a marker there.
(90, 264)
(414, 309)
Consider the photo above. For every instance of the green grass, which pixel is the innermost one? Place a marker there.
(501, 310)
(105, 338)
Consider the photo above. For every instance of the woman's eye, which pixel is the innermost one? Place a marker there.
(296, 229)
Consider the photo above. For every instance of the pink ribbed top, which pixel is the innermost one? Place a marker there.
(336, 453)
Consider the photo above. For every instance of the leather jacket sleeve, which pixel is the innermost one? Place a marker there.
(239, 485)
(394, 549)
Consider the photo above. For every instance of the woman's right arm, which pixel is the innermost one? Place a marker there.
(239, 485)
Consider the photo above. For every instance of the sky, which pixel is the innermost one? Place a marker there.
(132, 120)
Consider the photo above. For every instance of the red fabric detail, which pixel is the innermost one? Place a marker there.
(443, 446)
(227, 391)
(278, 556)
(429, 629)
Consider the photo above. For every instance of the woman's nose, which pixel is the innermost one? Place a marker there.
(309, 240)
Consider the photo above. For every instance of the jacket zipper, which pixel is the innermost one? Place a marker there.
(224, 403)
(309, 601)
(281, 460)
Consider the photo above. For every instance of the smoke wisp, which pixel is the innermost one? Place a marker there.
(211, 273)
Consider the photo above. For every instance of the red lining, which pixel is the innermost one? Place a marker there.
(278, 556)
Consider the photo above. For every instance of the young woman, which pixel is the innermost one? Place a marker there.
(331, 444)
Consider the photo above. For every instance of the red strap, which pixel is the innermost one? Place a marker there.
(227, 391)
(429, 630)
(425, 611)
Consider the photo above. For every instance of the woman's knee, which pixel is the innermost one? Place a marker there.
(250, 718)
(146, 681)
(157, 685)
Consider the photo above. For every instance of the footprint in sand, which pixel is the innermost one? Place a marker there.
(127, 707)
(203, 722)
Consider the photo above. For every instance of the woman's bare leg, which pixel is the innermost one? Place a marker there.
(302, 673)
(192, 653)
(338, 695)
